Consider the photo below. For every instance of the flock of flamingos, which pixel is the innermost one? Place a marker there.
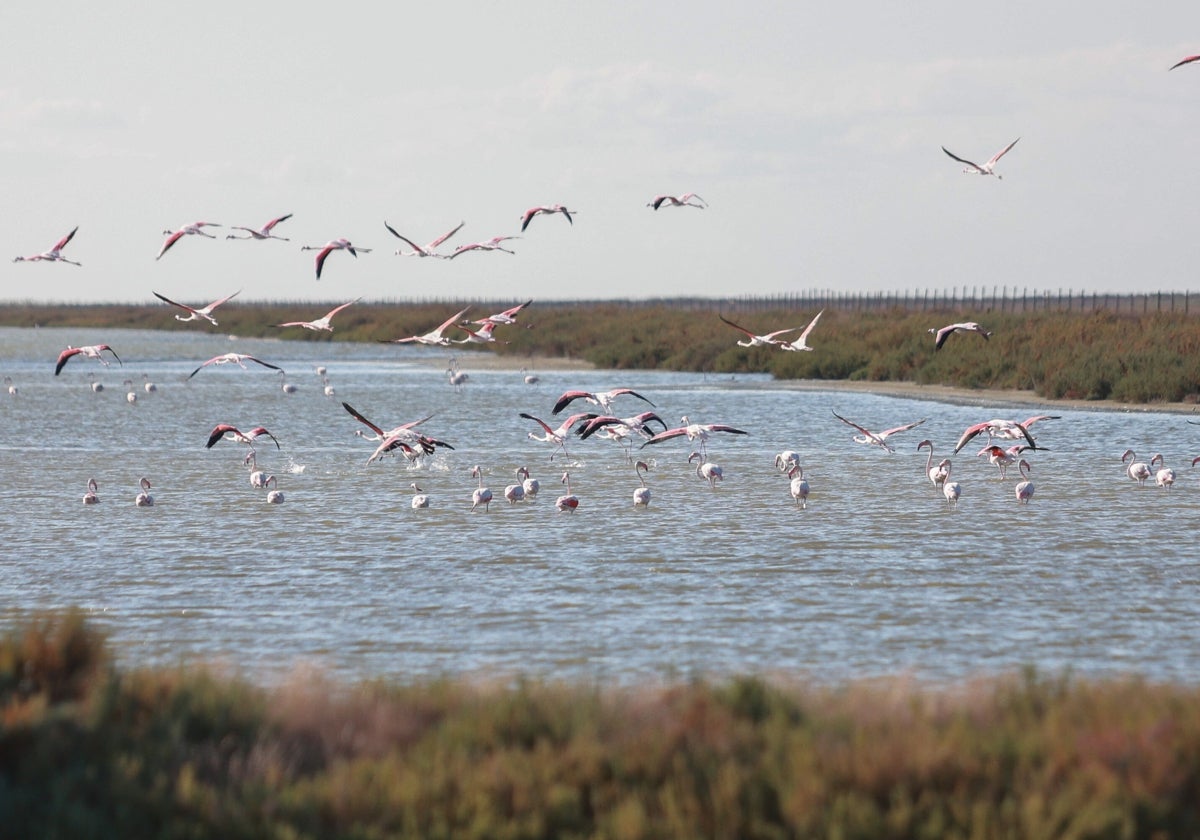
(630, 431)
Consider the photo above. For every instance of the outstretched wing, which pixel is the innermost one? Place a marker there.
(1001, 153)
(362, 419)
(974, 166)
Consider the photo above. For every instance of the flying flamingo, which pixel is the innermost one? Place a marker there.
(322, 323)
(707, 470)
(481, 336)
(90, 497)
(940, 335)
(878, 438)
(757, 340)
(144, 499)
(801, 343)
(264, 232)
(625, 426)
(1137, 470)
(194, 229)
(228, 432)
(937, 474)
(693, 432)
(549, 209)
(532, 485)
(569, 501)
(413, 444)
(604, 399)
(481, 494)
(433, 337)
(1024, 489)
(428, 250)
(92, 352)
(684, 200)
(492, 244)
(1003, 429)
(641, 496)
(323, 251)
(799, 486)
(13, 390)
(54, 254)
(987, 168)
(1165, 476)
(196, 314)
(556, 436)
(1187, 60)
(239, 359)
(419, 499)
(508, 316)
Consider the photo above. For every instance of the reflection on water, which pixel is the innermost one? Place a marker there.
(877, 575)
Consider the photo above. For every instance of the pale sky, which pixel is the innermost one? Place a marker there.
(812, 130)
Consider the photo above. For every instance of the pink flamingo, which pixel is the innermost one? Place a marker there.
(937, 474)
(641, 495)
(264, 232)
(986, 168)
(481, 494)
(568, 502)
(428, 250)
(92, 352)
(707, 470)
(322, 323)
(1024, 489)
(1137, 470)
(54, 254)
(203, 312)
(798, 486)
(547, 209)
(194, 229)
(323, 251)
(433, 337)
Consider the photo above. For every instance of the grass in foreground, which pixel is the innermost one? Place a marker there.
(89, 751)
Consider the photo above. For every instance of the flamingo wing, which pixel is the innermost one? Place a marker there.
(968, 435)
(62, 243)
(321, 256)
(735, 326)
(170, 240)
(1001, 153)
(100, 348)
(569, 397)
(1187, 60)
(216, 303)
(809, 328)
(885, 434)
(63, 357)
(184, 307)
(974, 166)
(667, 434)
(541, 423)
(862, 429)
(446, 235)
(363, 420)
(218, 432)
(269, 226)
(338, 309)
(261, 431)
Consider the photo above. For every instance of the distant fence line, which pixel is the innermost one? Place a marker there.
(963, 298)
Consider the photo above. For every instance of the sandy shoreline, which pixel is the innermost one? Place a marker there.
(908, 390)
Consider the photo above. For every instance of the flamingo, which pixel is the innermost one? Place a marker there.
(799, 486)
(239, 359)
(757, 340)
(92, 352)
(275, 497)
(1182, 62)
(402, 434)
(621, 427)
(1137, 470)
(952, 490)
(604, 399)
(148, 386)
(987, 168)
(1003, 429)
(940, 335)
(419, 499)
(13, 390)
(529, 378)
(1165, 476)
(196, 314)
(194, 229)
(483, 335)
(694, 431)
(530, 485)
(556, 436)
(878, 438)
(428, 250)
(130, 394)
(684, 200)
(786, 459)
(492, 244)
(801, 343)
(227, 432)
(508, 316)
(258, 478)
(144, 499)
(515, 492)
(481, 495)
(456, 377)
(264, 232)
(548, 209)
(97, 387)
(1002, 458)
(434, 337)
(323, 251)
(710, 472)
(90, 497)
(941, 472)
(641, 495)
(54, 254)
(569, 501)
(1024, 489)
(322, 323)
(285, 386)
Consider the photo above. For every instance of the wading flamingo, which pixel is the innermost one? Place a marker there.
(801, 343)
(435, 337)
(799, 486)
(641, 496)
(604, 399)
(756, 340)
(419, 499)
(693, 432)
(530, 485)
(1165, 476)
(1024, 489)
(707, 470)
(481, 494)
